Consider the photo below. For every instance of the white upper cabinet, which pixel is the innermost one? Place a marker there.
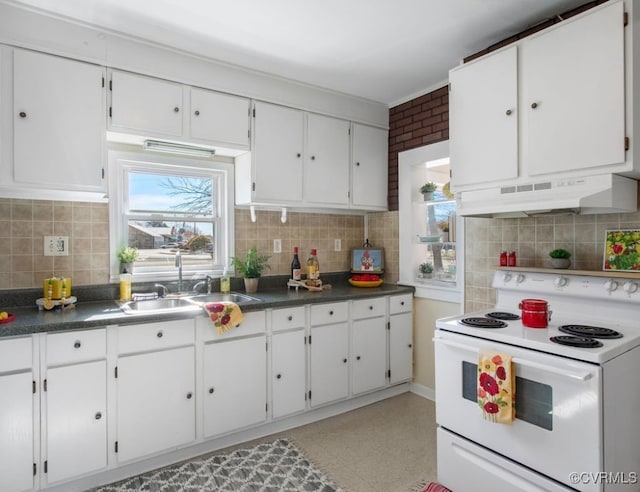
(326, 169)
(152, 107)
(58, 123)
(551, 104)
(145, 105)
(369, 167)
(484, 123)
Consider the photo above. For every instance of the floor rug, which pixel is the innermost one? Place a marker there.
(266, 467)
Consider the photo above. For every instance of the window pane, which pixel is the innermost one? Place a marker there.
(158, 242)
(170, 195)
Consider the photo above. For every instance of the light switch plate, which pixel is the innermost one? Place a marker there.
(337, 245)
(277, 246)
(56, 245)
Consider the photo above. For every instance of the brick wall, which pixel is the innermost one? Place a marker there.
(425, 120)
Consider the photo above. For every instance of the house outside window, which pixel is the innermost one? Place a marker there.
(165, 205)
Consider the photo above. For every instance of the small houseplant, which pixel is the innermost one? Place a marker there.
(443, 225)
(425, 269)
(127, 255)
(427, 190)
(251, 268)
(560, 258)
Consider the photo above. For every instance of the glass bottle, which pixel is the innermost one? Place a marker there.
(225, 282)
(125, 285)
(313, 269)
(296, 268)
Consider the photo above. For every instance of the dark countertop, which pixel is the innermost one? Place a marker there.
(97, 313)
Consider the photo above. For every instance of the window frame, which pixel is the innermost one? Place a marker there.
(121, 163)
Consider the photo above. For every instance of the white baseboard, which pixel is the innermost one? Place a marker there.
(423, 391)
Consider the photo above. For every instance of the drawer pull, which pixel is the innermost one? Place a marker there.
(279, 376)
(196, 112)
(410, 346)
(402, 303)
(330, 313)
(23, 114)
(370, 308)
(290, 318)
(358, 357)
(159, 334)
(98, 415)
(176, 109)
(211, 390)
(77, 344)
(344, 360)
(189, 395)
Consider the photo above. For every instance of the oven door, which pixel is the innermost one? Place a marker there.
(557, 430)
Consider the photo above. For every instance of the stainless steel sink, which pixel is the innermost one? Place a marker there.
(219, 297)
(160, 305)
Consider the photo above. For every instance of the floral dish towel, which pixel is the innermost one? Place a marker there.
(224, 315)
(496, 387)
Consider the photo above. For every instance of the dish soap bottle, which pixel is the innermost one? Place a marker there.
(225, 282)
(125, 285)
(313, 270)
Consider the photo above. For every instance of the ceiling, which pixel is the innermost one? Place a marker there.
(384, 50)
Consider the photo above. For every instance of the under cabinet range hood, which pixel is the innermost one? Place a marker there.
(599, 194)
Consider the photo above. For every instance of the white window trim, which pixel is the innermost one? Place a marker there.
(120, 162)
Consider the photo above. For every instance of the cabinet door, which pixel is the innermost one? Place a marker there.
(58, 121)
(278, 146)
(326, 170)
(483, 117)
(369, 167)
(400, 347)
(76, 420)
(573, 94)
(220, 118)
(288, 373)
(155, 402)
(145, 105)
(369, 354)
(329, 363)
(16, 432)
(235, 384)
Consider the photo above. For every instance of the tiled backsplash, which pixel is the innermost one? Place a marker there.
(532, 238)
(24, 223)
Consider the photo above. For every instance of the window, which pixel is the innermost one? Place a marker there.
(166, 205)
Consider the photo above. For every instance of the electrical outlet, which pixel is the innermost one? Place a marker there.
(56, 245)
(277, 246)
(337, 245)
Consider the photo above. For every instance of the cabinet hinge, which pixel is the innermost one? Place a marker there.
(266, 407)
(102, 81)
(253, 186)
(305, 396)
(388, 325)
(33, 387)
(116, 446)
(103, 173)
(309, 339)
(309, 395)
(389, 373)
(254, 112)
(266, 346)
(450, 173)
(249, 134)
(44, 385)
(116, 372)
(46, 466)
(34, 470)
(625, 19)
(110, 112)
(626, 143)
(111, 85)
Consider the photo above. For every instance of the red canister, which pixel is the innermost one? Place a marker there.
(535, 313)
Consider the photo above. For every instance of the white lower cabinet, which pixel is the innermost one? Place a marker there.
(400, 338)
(288, 374)
(235, 384)
(368, 345)
(329, 353)
(17, 395)
(155, 396)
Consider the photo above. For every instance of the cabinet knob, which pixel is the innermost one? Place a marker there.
(370, 308)
(290, 318)
(358, 357)
(357, 163)
(298, 154)
(98, 415)
(313, 157)
(189, 395)
(508, 112)
(176, 109)
(77, 344)
(211, 390)
(159, 334)
(410, 346)
(402, 303)
(279, 376)
(22, 114)
(196, 112)
(330, 313)
(534, 105)
(344, 360)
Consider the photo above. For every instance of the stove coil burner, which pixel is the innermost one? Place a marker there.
(572, 341)
(482, 322)
(590, 331)
(503, 315)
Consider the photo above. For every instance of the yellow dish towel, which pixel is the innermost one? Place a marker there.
(225, 315)
(496, 387)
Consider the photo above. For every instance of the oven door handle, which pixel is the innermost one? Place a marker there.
(584, 376)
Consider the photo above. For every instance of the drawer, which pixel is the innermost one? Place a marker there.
(76, 346)
(401, 304)
(254, 322)
(155, 336)
(284, 319)
(369, 308)
(335, 312)
(16, 354)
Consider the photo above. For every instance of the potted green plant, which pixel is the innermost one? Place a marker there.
(425, 269)
(443, 225)
(127, 255)
(251, 268)
(560, 258)
(427, 190)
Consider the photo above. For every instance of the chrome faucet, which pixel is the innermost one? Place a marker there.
(179, 265)
(206, 282)
(162, 289)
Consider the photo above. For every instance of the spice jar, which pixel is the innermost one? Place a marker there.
(511, 260)
(503, 258)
